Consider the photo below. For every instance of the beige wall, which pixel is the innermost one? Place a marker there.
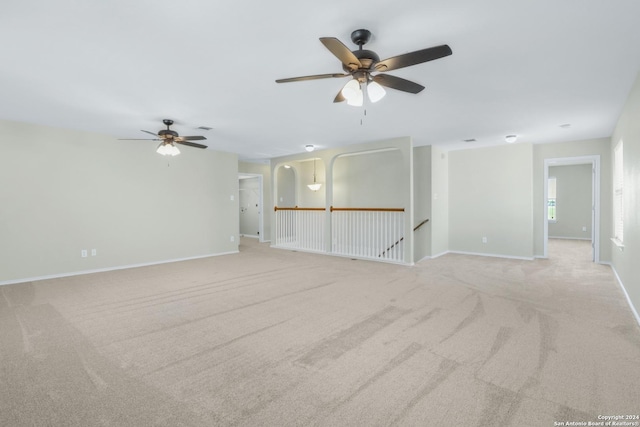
(439, 221)
(592, 147)
(490, 195)
(63, 191)
(574, 201)
(422, 201)
(369, 180)
(626, 261)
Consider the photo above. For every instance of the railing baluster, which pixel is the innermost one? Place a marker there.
(370, 233)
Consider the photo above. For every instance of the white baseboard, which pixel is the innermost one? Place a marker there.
(424, 258)
(102, 270)
(624, 291)
(570, 238)
(253, 236)
(492, 255)
(439, 255)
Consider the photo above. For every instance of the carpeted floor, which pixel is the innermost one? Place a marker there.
(276, 338)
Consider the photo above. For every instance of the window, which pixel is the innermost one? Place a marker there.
(618, 195)
(551, 199)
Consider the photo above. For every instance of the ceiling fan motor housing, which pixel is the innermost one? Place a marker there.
(167, 133)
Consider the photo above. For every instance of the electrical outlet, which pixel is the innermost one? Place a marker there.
(233, 238)
(584, 228)
(83, 253)
(233, 197)
(484, 240)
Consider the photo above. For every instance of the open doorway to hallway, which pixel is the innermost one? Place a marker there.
(572, 203)
(250, 203)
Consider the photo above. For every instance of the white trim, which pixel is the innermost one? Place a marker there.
(593, 160)
(439, 255)
(385, 260)
(624, 291)
(618, 243)
(253, 236)
(570, 238)
(424, 258)
(493, 255)
(102, 270)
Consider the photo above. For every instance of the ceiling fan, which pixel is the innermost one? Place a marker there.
(169, 138)
(361, 63)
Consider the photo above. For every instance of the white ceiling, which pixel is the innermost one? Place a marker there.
(116, 67)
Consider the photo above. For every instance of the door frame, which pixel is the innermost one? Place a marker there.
(594, 161)
(260, 202)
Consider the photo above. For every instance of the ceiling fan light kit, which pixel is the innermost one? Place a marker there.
(169, 138)
(375, 91)
(359, 64)
(167, 149)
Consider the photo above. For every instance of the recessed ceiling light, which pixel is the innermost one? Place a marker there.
(287, 166)
(511, 138)
(309, 147)
(566, 125)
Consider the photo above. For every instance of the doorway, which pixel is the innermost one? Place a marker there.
(250, 203)
(552, 210)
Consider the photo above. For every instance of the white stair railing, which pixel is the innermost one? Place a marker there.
(371, 233)
(300, 228)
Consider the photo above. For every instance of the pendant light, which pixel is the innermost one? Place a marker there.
(316, 185)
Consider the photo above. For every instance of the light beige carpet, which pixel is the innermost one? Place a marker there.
(276, 338)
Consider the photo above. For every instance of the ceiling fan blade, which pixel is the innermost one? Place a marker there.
(150, 133)
(398, 83)
(190, 144)
(138, 139)
(339, 97)
(413, 58)
(191, 138)
(314, 77)
(341, 52)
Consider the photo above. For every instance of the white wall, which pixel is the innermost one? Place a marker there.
(490, 195)
(63, 191)
(574, 202)
(626, 262)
